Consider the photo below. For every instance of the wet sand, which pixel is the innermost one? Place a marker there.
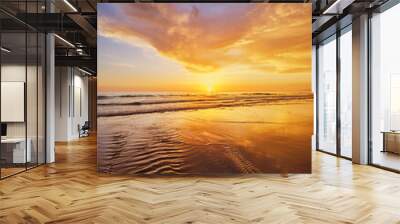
(264, 138)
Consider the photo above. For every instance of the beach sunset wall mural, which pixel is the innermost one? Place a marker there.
(204, 89)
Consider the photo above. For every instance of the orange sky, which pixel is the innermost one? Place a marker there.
(204, 47)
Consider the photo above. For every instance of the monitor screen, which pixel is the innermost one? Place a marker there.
(3, 129)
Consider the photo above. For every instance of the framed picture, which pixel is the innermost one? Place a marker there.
(204, 89)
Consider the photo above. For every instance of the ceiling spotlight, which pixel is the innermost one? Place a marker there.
(5, 50)
(64, 40)
(79, 51)
(84, 71)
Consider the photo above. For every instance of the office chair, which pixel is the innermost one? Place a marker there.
(84, 130)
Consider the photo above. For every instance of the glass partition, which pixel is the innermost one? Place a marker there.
(385, 89)
(14, 153)
(31, 98)
(41, 96)
(22, 78)
(327, 95)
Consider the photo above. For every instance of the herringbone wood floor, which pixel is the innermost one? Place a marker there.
(70, 191)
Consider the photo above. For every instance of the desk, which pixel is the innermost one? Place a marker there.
(391, 141)
(16, 147)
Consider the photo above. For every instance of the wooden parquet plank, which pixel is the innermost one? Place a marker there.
(71, 191)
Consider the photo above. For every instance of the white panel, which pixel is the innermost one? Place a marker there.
(20, 155)
(346, 94)
(394, 102)
(77, 113)
(12, 101)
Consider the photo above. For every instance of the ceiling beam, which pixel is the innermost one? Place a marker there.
(86, 26)
(337, 7)
(81, 61)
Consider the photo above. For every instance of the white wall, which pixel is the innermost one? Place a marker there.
(71, 94)
(80, 109)
(62, 81)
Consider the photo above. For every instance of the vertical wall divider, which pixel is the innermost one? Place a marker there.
(317, 97)
(37, 91)
(1, 65)
(369, 95)
(26, 86)
(44, 80)
(73, 92)
(60, 86)
(338, 81)
(45, 93)
(69, 92)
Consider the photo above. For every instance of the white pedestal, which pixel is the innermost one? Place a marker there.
(19, 153)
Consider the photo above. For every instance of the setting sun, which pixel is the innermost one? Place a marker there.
(209, 82)
(210, 88)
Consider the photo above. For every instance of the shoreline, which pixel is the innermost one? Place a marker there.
(298, 100)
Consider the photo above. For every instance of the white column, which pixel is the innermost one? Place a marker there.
(50, 98)
(63, 100)
(360, 90)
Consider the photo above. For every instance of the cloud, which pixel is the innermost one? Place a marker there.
(275, 38)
